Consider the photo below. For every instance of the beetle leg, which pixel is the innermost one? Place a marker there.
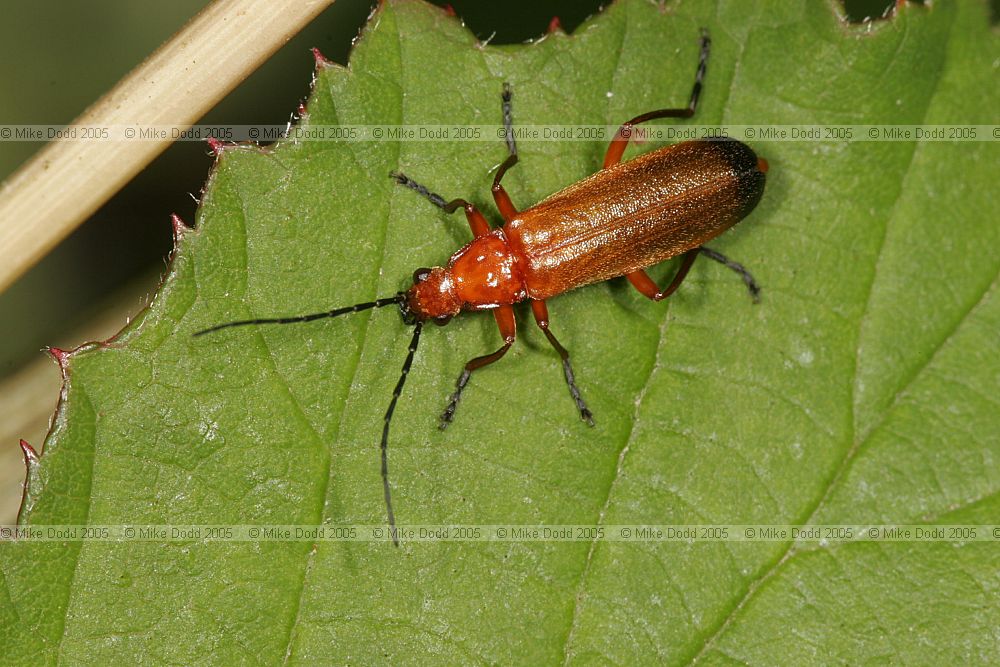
(642, 282)
(500, 196)
(541, 313)
(477, 221)
(748, 279)
(508, 329)
(621, 139)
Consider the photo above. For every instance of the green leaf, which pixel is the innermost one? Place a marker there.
(861, 390)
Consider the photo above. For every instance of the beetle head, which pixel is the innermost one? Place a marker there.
(432, 297)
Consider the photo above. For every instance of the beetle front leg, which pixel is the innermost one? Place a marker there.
(541, 313)
(500, 196)
(477, 221)
(508, 330)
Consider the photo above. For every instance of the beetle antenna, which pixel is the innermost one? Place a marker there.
(336, 312)
(385, 429)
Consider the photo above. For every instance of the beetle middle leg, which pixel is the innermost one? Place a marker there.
(642, 282)
(624, 133)
(541, 313)
(478, 222)
(508, 329)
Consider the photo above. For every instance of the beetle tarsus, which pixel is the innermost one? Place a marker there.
(508, 120)
(585, 413)
(449, 412)
(747, 277)
(422, 190)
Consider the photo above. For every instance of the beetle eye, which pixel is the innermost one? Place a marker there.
(420, 275)
(443, 320)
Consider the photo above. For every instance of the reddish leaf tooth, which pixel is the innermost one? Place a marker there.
(61, 357)
(217, 146)
(321, 60)
(30, 455)
(180, 228)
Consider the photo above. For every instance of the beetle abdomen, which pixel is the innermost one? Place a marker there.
(635, 214)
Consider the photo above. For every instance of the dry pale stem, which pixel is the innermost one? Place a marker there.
(68, 180)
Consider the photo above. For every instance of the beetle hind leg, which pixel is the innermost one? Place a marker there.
(541, 313)
(642, 282)
(741, 270)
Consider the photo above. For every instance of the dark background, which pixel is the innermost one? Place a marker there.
(56, 63)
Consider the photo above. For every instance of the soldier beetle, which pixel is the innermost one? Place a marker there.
(621, 220)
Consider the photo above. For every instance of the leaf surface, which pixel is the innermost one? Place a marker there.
(861, 390)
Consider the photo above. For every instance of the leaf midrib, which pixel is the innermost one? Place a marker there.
(335, 436)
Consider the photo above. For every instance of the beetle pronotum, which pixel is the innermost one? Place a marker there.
(626, 217)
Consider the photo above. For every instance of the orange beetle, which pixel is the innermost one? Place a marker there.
(617, 222)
